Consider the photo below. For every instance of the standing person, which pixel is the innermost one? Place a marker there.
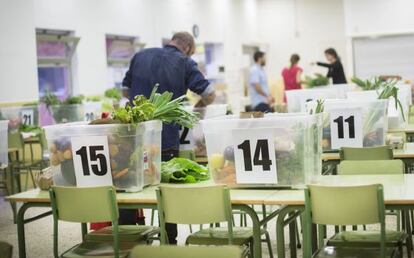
(292, 75)
(336, 70)
(258, 89)
(174, 70)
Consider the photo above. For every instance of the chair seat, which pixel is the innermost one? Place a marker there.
(348, 252)
(366, 237)
(98, 249)
(127, 233)
(219, 236)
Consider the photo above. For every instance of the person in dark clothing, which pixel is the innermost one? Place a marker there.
(172, 68)
(336, 70)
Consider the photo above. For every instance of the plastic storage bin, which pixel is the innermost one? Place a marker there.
(372, 124)
(3, 143)
(92, 110)
(193, 139)
(297, 99)
(276, 150)
(67, 113)
(395, 117)
(134, 153)
(17, 116)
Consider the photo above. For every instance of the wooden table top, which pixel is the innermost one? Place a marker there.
(398, 190)
(406, 153)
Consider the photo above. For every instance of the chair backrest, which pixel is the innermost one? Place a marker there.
(371, 167)
(15, 140)
(84, 204)
(349, 205)
(142, 251)
(194, 205)
(366, 153)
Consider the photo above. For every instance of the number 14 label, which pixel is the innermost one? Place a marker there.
(255, 158)
(346, 128)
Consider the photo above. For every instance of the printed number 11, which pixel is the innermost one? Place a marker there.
(351, 125)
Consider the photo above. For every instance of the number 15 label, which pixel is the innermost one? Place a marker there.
(255, 157)
(91, 161)
(346, 128)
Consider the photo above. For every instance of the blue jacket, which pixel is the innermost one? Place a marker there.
(174, 72)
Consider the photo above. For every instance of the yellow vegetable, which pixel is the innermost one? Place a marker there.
(216, 161)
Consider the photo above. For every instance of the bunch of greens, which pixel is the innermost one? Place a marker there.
(30, 129)
(180, 170)
(50, 99)
(73, 100)
(318, 80)
(365, 85)
(157, 107)
(95, 98)
(318, 108)
(113, 93)
(385, 88)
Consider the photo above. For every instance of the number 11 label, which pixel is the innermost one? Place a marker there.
(91, 161)
(346, 128)
(255, 157)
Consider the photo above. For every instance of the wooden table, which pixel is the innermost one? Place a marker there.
(241, 199)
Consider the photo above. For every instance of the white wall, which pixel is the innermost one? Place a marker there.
(304, 27)
(319, 24)
(18, 74)
(376, 17)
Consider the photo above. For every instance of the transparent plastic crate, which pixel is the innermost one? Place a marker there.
(395, 117)
(196, 133)
(297, 99)
(134, 152)
(294, 137)
(374, 120)
(92, 110)
(3, 143)
(67, 113)
(17, 116)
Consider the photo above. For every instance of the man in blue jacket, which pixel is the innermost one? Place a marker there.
(172, 68)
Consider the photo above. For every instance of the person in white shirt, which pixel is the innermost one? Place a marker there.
(260, 97)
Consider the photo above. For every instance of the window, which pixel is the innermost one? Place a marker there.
(55, 50)
(119, 51)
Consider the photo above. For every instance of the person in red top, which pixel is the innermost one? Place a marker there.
(292, 75)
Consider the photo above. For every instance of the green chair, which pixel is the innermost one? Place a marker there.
(20, 165)
(366, 153)
(351, 205)
(208, 205)
(371, 167)
(6, 250)
(84, 205)
(186, 252)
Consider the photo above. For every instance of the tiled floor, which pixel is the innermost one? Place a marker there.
(39, 233)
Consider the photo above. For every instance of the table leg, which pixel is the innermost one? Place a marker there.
(21, 221)
(292, 238)
(257, 243)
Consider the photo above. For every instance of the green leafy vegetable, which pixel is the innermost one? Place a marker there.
(95, 98)
(30, 129)
(50, 99)
(113, 93)
(181, 170)
(157, 107)
(318, 80)
(73, 100)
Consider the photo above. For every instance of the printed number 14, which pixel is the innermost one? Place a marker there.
(262, 147)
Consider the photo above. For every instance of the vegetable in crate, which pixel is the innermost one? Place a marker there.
(113, 93)
(318, 80)
(181, 170)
